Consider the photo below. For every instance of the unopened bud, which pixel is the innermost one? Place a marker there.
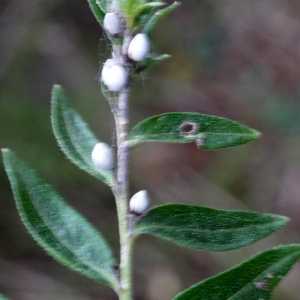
(103, 156)
(111, 23)
(114, 75)
(139, 47)
(139, 202)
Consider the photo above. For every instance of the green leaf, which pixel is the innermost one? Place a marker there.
(3, 298)
(144, 13)
(143, 17)
(129, 9)
(149, 62)
(74, 137)
(104, 5)
(253, 279)
(104, 90)
(159, 15)
(98, 10)
(210, 132)
(57, 227)
(206, 228)
(146, 6)
(137, 5)
(152, 4)
(159, 58)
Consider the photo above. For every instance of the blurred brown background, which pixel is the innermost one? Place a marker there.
(238, 59)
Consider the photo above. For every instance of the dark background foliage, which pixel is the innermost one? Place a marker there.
(238, 59)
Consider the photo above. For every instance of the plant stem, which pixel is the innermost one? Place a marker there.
(119, 108)
(121, 188)
(121, 194)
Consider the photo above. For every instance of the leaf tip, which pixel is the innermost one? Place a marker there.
(283, 220)
(5, 150)
(56, 87)
(5, 153)
(256, 134)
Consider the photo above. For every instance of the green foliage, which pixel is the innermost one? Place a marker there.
(145, 12)
(104, 90)
(3, 298)
(143, 16)
(154, 18)
(73, 135)
(149, 62)
(70, 239)
(104, 5)
(253, 279)
(210, 132)
(159, 58)
(206, 228)
(99, 9)
(150, 4)
(57, 227)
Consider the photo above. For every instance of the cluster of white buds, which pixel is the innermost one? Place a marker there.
(112, 23)
(139, 202)
(114, 75)
(139, 47)
(103, 156)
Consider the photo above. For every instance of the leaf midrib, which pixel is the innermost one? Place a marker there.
(174, 227)
(201, 134)
(84, 262)
(269, 267)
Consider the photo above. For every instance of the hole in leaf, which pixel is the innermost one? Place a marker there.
(188, 128)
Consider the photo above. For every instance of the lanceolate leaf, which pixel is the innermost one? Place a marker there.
(149, 62)
(98, 11)
(253, 279)
(103, 4)
(206, 228)
(159, 15)
(146, 6)
(73, 135)
(210, 132)
(143, 17)
(159, 58)
(57, 227)
(105, 91)
(152, 4)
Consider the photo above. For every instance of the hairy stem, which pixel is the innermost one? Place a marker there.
(121, 195)
(121, 187)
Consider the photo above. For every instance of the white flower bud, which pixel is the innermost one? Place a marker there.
(103, 156)
(139, 202)
(111, 23)
(139, 47)
(114, 75)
